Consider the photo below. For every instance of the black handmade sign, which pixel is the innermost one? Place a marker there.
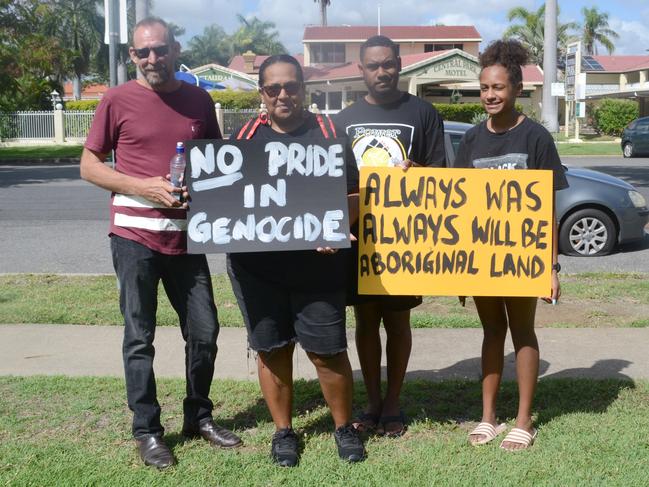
(260, 195)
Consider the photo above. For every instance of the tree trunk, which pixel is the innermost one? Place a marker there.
(76, 87)
(323, 13)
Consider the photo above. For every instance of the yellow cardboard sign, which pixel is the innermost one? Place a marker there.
(466, 232)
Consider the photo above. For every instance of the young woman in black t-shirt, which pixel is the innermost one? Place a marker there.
(509, 140)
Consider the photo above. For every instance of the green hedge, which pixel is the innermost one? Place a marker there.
(611, 116)
(465, 112)
(236, 99)
(82, 105)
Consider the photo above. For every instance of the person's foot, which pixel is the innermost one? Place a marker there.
(527, 435)
(366, 422)
(284, 449)
(154, 452)
(349, 444)
(392, 422)
(216, 435)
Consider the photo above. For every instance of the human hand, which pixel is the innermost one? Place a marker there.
(407, 164)
(326, 250)
(556, 289)
(184, 195)
(159, 190)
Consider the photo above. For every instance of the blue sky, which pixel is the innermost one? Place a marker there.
(630, 18)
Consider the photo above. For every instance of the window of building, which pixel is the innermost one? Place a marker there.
(328, 53)
(442, 47)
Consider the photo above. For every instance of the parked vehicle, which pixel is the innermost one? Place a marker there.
(595, 213)
(635, 138)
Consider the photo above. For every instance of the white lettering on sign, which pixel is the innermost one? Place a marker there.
(206, 162)
(308, 227)
(312, 160)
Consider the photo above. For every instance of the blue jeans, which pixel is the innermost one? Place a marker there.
(186, 280)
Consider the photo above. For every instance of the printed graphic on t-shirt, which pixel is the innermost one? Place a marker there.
(380, 144)
(514, 160)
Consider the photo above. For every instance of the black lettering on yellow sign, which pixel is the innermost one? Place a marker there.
(455, 231)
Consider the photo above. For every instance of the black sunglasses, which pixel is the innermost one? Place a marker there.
(143, 52)
(291, 88)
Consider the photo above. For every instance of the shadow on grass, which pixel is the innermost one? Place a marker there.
(453, 395)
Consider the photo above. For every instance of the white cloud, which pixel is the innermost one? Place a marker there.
(195, 15)
(634, 36)
(291, 16)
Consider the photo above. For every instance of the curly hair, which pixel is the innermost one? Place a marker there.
(509, 54)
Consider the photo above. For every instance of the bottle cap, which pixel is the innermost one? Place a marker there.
(180, 147)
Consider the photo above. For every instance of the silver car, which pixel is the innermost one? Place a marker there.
(596, 212)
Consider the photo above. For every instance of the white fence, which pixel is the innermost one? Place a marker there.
(27, 125)
(233, 119)
(77, 124)
(60, 126)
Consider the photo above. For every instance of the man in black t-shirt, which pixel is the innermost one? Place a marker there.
(387, 128)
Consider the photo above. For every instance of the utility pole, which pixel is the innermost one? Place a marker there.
(141, 12)
(549, 112)
(113, 39)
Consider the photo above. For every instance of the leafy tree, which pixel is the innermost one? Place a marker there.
(257, 36)
(323, 10)
(213, 46)
(33, 63)
(531, 31)
(596, 30)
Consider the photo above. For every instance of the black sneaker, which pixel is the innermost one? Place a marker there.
(284, 449)
(350, 446)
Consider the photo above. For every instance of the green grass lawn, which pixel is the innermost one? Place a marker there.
(40, 152)
(608, 149)
(598, 299)
(65, 431)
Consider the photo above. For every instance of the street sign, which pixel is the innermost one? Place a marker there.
(558, 89)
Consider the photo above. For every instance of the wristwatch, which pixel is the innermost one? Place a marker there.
(556, 267)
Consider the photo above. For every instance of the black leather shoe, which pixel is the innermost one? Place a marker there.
(215, 434)
(154, 452)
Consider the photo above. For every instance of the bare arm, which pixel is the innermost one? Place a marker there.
(155, 189)
(556, 286)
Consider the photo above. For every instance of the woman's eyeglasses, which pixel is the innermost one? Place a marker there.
(291, 88)
(143, 52)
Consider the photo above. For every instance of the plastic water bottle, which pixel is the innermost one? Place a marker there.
(177, 168)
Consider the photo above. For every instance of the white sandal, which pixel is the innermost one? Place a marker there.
(520, 437)
(488, 431)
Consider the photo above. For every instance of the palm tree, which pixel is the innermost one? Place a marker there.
(257, 36)
(531, 32)
(596, 30)
(323, 10)
(212, 46)
(79, 26)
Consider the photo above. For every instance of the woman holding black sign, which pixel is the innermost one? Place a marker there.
(509, 140)
(296, 296)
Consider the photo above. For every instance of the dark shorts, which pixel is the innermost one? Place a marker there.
(385, 302)
(277, 314)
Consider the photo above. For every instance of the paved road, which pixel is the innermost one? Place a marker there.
(52, 221)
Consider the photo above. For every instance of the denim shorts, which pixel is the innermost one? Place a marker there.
(277, 314)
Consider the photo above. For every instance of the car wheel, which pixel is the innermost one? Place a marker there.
(627, 150)
(587, 233)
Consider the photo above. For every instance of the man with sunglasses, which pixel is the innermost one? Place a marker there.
(387, 128)
(141, 121)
